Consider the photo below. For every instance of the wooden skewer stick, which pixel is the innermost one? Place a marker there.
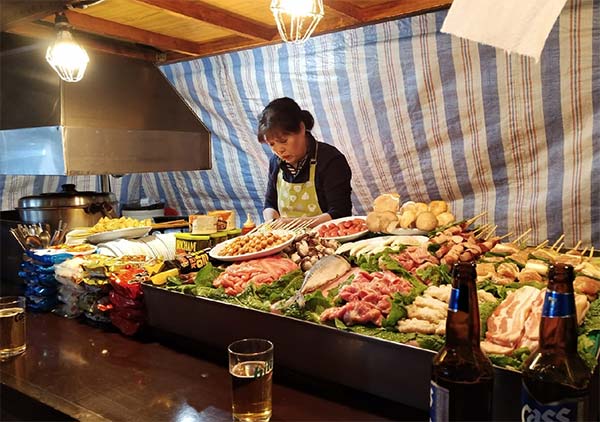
(584, 251)
(491, 232)
(474, 219)
(481, 229)
(574, 248)
(591, 252)
(505, 236)
(541, 245)
(560, 247)
(525, 233)
(562, 236)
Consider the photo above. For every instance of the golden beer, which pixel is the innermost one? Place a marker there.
(251, 369)
(12, 327)
(251, 389)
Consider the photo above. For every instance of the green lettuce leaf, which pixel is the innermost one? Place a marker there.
(430, 341)
(376, 332)
(587, 346)
(435, 274)
(485, 310)
(206, 275)
(314, 304)
(284, 288)
(397, 312)
(514, 361)
(591, 321)
(389, 263)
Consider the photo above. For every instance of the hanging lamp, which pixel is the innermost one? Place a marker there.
(65, 55)
(297, 19)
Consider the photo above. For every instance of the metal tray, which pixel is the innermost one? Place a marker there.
(383, 368)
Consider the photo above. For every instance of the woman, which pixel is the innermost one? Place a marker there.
(307, 178)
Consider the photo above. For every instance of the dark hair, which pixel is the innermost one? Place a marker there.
(283, 115)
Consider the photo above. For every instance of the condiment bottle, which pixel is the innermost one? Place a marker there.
(248, 225)
(462, 375)
(556, 380)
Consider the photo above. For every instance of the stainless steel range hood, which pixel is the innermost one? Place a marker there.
(123, 117)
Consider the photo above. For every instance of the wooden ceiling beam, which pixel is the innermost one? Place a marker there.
(205, 12)
(397, 9)
(18, 12)
(108, 28)
(46, 32)
(345, 8)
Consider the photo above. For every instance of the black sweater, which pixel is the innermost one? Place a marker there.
(332, 179)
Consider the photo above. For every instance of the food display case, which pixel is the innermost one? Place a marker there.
(383, 368)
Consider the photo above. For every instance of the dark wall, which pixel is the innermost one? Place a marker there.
(10, 256)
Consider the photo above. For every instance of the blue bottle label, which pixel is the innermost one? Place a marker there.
(561, 411)
(558, 305)
(439, 402)
(453, 302)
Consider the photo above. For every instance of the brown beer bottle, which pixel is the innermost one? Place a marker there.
(462, 375)
(556, 380)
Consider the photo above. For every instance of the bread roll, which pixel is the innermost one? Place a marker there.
(445, 218)
(426, 221)
(438, 207)
(373, 221)
(387, 202)
(421, 207)
(407, 219)
(385, 218)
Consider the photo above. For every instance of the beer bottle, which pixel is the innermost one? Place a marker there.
(462, 375)
(555, 381)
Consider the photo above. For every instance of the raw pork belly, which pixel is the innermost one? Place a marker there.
(258, 271)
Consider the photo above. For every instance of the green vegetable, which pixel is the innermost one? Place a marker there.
(514, 360)
(206, 275)
(591, 323)
(397, 312)
(587, 346)
(314, 304)
(493, 288)
(376, 332)
(389, 263)
(430, 341)
(432, 248)
(417, 289)
(435, 274)
(280, 289)
(485, 310)
(515, 285)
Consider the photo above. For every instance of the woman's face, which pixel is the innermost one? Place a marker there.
(290, 147)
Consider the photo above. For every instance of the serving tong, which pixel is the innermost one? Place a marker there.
(36, 236)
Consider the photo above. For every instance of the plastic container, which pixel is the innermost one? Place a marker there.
(233, 233)
(192, 242)
(218, 237)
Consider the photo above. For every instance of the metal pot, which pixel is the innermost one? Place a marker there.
(76, 209)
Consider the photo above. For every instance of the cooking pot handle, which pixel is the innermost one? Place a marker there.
(104, 207)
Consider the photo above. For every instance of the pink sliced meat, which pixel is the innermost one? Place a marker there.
(531, 334)
(236, 277)
(505, 325)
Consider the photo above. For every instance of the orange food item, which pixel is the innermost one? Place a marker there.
(343, 228)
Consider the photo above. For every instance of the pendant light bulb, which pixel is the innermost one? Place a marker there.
(65, 55)
(296, 19)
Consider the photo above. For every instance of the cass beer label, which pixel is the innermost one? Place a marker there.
(439, 402)
(562, 411)
(558, 305)
(453, 303)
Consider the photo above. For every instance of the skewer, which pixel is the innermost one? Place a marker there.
(16, 236)
(505, 236)
(562, 236)
(560, 247)
(541, 245)
(574, 248)
(474, 219)
(584, 251)
(591, 252)
(525, 233)
(491, 232)
(480, 229)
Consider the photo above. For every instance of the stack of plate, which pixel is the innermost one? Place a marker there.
(161, 246)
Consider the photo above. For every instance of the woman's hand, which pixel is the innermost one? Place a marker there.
(270, 214)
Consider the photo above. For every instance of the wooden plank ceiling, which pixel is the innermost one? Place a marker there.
(163, 31)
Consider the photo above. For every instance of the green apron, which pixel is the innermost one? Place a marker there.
(298, 199)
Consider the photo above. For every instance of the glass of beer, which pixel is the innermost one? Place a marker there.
(12, 326)
(251, 369)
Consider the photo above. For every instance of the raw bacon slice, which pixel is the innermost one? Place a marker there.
(505, 325)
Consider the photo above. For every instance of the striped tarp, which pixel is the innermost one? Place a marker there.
(416, 112)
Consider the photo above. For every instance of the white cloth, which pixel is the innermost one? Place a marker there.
(519, 26)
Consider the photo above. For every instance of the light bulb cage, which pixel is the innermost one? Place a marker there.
(68, 59)
(295, 27)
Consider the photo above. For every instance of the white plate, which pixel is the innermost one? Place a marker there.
(407, 232)
(215, 252)
(127, 233)
(346, 238)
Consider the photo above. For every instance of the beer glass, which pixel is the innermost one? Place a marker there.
(12, 326)
(251, 369)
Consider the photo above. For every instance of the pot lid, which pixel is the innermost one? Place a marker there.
(69, 197)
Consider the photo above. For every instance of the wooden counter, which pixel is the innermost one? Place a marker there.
(89, 373)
